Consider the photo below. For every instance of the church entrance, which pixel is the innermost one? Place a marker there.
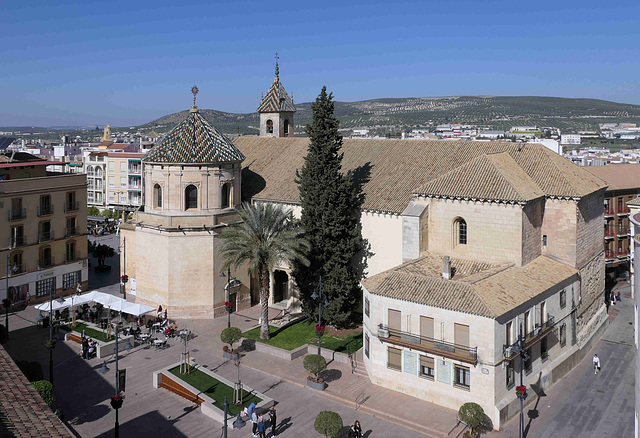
(280, 286)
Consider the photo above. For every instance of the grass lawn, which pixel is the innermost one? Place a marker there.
(300, 333)
(215, 389)
(90, 332)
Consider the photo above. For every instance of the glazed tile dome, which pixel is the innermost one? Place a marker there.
(194, 141)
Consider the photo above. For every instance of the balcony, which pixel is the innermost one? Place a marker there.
(510, 352)
(135, 170)
(71, 206)
(45, 263)
(436, 347)
(609, 232)
(16, 214)
(15, 241)
(608, 211)
(45, 210)
(18, 268)
(72, 256)
(622, 231)
(45, 236)
(134, 186)
(609, 254)
(71, 231)
(623, 253)
(623, 211)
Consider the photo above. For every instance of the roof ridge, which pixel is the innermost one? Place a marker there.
(498, 166)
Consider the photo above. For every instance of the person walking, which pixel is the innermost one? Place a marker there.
(596, 364)
(254, 421)
(262, 428)
(85, 347)
(273, 420)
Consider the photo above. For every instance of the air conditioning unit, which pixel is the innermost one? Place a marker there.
(508, 351)
(383, 332)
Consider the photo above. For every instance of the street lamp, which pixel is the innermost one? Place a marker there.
(320, 327)
(51, 343)
(227, 302)
(521, 395)
(6, 303)
(117, 399)
(239, 423)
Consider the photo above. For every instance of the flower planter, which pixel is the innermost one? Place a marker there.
(116, 402)
(320, 386)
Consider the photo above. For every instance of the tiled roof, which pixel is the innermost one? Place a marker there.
(276, 99)
(477, 288)
(23, 413)
(494, 176)
(397, 168)
(194, 141)
(618, 176)
(634, 201)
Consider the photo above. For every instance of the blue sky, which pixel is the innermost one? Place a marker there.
(129, 62)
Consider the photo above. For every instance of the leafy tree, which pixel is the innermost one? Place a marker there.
(328, 423)
(315, 364)
(45, 389)
(266, 237)
(101, 252)
(230, 336)
(331, 202)
(472, 415)
(93, 211)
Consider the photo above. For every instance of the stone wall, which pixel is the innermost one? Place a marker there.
(590, 301)
(559, 224)
(532, 230)
(590, 230)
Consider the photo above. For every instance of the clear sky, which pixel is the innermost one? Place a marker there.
(129, 62)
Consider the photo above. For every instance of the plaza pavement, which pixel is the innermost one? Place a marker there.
(581, 404)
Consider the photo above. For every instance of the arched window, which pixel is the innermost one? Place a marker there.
(70, 253)
(15, 261)
(45, 257)
(98, 171)
(459, 232)
(157, 196)
(269, 126)
(286, 128)
(190, 197)
(224, 198)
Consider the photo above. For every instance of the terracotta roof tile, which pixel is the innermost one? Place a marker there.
(194, 141)
(276, 99)
(399, 167)
(618, 176)
(477, 288)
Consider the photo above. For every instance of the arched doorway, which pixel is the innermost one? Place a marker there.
(280, 286)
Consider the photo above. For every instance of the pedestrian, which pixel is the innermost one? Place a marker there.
(273, 420)
(262, 428)
(27, 298)
(618, 295)
(596, 364)
(357, 429)
(85, 347)
(254, 421)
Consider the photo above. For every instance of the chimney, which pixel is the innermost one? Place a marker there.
(446, 268)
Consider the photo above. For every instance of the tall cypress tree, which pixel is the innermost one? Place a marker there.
(331, 202)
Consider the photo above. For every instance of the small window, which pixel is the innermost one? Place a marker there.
(366, 344)
(269, 126)
(157, 195)
(123, 181)
(427, 367)
(563, 298)
(544, 349)
(366, 307)
(563, 335)
(529, 362)
(509, 333)
(112, 166)
(544, 240)
(286, 128)
(225, 196)
(190, 197)
(394, 360)
(460, 232)
(511, 375)
(45, 257)
(71, 251)
(462, 377)
(123, 167)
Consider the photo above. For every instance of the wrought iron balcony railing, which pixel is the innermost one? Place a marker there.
(45, 210)
(16, 214)
(15, 241)
(71, 206)
(45, 236)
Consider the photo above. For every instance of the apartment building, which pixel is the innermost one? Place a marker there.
(624, 185)
(124, 180)
(95, 166)
(43, 222)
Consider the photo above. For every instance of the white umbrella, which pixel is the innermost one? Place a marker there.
(137, 309)
(44, 307)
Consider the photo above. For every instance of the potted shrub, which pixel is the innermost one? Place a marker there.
(328, 423)
(230, 336)
(315, 364)
(473, 416)
(116, 401)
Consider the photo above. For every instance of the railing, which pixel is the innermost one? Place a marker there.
(622, 252)
(17, 241)
(46, 263)
(135, 186)
(72, 256)
(623, 210)
(45, 236)
(608, 211)
(16, 214)
(609, 231)
(436, 347)
(135, 169)
(71, 231)
(608, 254)
(510, 352)
(623, 231)
(18, 268)
(71, 206)
(45, 210)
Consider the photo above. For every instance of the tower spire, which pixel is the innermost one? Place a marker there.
(277, 67)
(194, 90)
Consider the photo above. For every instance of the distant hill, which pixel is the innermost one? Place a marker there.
(393, 115)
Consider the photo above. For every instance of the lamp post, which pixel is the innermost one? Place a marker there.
(51, 343)
(227, 302)
(6, 303)
(320, 327)
(239, 423)
(117, 399)
(522, 395)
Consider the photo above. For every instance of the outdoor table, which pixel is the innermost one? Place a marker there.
(159, 343)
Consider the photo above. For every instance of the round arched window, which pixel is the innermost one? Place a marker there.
(190, 197)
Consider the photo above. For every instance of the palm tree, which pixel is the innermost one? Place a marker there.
(266, 237)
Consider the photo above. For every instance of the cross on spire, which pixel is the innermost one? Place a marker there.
(277, 67)
(194, 90)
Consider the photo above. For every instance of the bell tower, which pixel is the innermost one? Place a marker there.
(276, 110)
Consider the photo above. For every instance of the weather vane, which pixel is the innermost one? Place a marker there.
(194, 90)
(277, 68)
